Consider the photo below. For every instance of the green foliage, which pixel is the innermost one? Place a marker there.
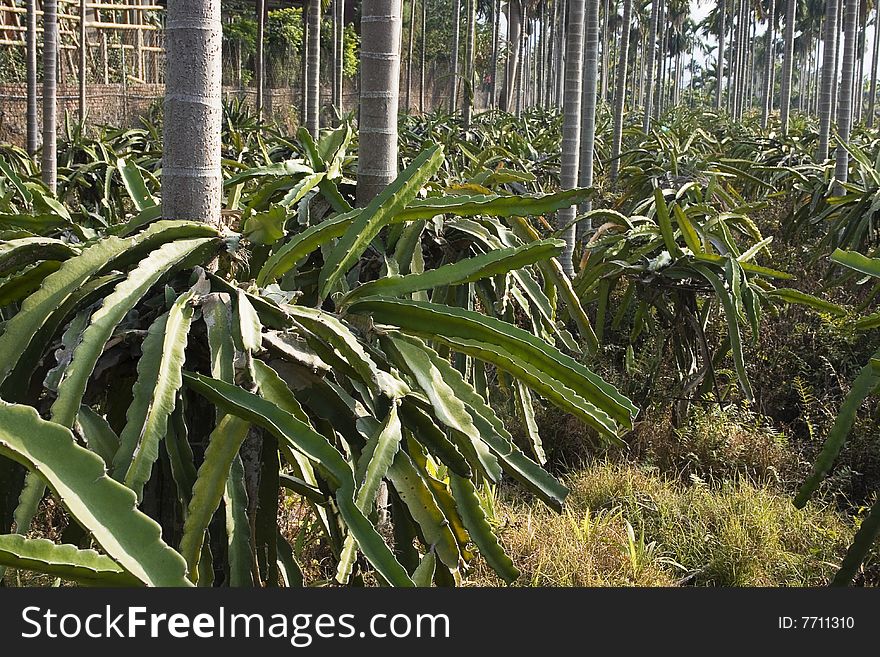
(238, 389)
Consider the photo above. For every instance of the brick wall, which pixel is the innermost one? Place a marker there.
(113, 105)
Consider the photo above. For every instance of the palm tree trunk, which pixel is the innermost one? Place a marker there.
(560, 58)
(496, 53)
(605, 47)
(787, 61)
(340, 61)
(858, 85)
(31, 54)
(620, 91)
(456, 28)
(469, 46)
(571, 128)
(872, 99)
(313, 69)
(661, 59)
(550, 55)
(50, 67)
(838, 49)
(191, 179)
(260, 57)
(829, 67)
(649, 65)
(844, 103)
(588, 109)
(83, 51)
(514, 36)
(334, 100)
(719, 83)
(380, 81)
(423, 48)
(409, 55)
(768, 65)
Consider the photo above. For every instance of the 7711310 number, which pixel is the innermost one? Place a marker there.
(827, 622)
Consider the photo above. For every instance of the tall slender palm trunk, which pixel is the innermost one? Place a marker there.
(620, 91)
(409, 55)
(844, 103)
(649, 67)
(767, 107)
(514, 37)
(469, 46)
(456, 46)
(260, 58)
(838, 49)
(191, 178)
(423, 48)
(83, 51)
(560, 56)
(588, 107)
(496, 52)
(719, 83)
(787, 62)
(571, 128)
(829, 69)
(50, 68)
(380, 82)
(336, 53)
(33, 138)
(313, 69)
(339, 64)
(872, 98)
(606, 46)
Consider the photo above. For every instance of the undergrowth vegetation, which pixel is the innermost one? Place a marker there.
(714, 351)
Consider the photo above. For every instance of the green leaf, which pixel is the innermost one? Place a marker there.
(210, 485)
(858, 550)
(729, 303)
(424, 573)
(432, 376)
(492, 431)
(238, 529)
(422, 506)
(491, 205)
(154, 395)
(265, 227)
(300, 437)
(479, 529)
(376, 458)
(375, 216)
(247, 330)
(665, 224)
(135, 185)
(550, 367)
(691, 238)
(302, 244)
(37, 310)
(102, 506)
(98, 434)
(468, 270)
(17, 287)
(866, 383)
(105, 320)
(277, 170)
(16, 254)
(853, 260)
(802, 298)
(85, 567)
(526, 412)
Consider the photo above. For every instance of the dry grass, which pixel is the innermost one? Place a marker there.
(629, 526)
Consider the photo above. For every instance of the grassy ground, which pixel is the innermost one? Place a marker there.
(628, 525)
